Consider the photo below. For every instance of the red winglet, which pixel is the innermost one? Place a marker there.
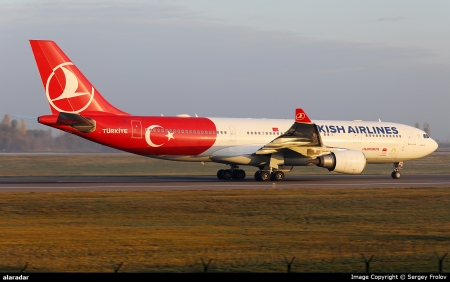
(300, 116)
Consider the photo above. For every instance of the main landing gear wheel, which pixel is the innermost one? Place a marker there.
(277, 176)
(265, 175)
(262, 175)
(238, 174)
(224, 174)
(396, 174)
(234, 173)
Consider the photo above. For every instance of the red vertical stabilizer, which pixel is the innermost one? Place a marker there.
(66, 88)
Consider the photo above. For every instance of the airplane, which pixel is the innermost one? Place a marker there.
(273, 146)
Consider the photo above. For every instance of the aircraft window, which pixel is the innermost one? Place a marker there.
(225, 132)
(221, 132)
(182, 131)
(202, 131)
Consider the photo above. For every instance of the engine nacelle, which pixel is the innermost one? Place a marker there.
(347, 161)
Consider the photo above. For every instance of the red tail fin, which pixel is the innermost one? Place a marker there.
(66, 87)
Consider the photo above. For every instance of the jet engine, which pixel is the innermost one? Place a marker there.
(346, 161)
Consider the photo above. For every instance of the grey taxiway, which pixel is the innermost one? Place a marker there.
(166, 183)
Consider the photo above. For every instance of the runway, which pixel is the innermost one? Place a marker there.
(180, 183)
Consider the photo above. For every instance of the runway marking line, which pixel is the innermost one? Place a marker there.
(267, 184)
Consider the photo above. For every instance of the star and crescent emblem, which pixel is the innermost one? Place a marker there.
(148, 132)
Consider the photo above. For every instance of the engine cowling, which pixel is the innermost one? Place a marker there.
(347, 161)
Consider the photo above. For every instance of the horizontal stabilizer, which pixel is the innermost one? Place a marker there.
(76, 121)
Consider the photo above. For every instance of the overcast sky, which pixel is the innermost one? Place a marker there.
(339, 60)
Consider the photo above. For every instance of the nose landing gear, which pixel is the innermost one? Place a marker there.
(396, 173)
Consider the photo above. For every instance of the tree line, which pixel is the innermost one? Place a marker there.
(16, 138)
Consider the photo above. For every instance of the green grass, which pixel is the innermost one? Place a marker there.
(326, 230)
(132, 165)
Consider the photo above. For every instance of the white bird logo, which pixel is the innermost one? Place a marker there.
(69, 90)
(71, 86)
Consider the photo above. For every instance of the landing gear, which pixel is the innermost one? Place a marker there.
(396, 173)
(277, 176)
(265, 175)
(238, 174)
(261, 175)
(233, 173)
(224, 174)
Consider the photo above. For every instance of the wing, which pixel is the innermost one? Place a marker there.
(302, 135)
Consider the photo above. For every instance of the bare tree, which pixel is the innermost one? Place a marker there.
(6, 120)
(23, 127)
(14, 124)
(417, 125)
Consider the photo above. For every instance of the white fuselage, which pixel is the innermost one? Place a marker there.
(381, 142)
